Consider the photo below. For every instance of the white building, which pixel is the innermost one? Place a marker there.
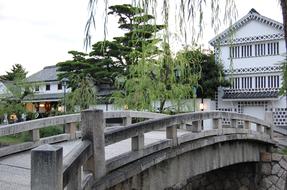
(48, 91)
(251, 51)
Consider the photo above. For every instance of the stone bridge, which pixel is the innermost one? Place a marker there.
(164, 152)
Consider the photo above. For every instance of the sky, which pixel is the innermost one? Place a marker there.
(39, 33)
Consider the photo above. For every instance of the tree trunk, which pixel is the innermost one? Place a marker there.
(284, 13)
(161, 106)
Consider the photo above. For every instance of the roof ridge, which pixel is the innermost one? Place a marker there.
(252, 15)
(253, 11)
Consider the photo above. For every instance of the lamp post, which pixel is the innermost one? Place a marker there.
(201, 107)
(64, 84)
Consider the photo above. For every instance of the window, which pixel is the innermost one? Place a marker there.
(48, 87)
(235, 83)
(273, 48)
(273, 81)
(37, 88)
(246, 51)
(246, 82)
(234, 52)
(60, 86)
(260, 82)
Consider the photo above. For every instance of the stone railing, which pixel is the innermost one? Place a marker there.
(51, 171)
(69, 122)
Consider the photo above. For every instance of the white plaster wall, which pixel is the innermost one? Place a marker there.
(255, 28)
(250, 62)
(280, 103)
(53, 88)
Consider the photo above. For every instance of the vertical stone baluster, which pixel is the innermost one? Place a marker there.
(35, 134)
(75, 181)
(138, 142)
(270, 123)
(234, 123)
(258, 127)
(247, 125)
(217, 123)
(93, 125)
(171, 133)
(127, 121)
(71, 129)
(196, 126)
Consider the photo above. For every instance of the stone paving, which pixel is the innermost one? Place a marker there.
(15, 169)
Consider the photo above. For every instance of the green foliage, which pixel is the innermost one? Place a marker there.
(82, 96)
(109, 59)
(158, 80)
(15, 139)
(283, 89)
(212, 75)
(51, 131)
(17, 90)
(186, 18)
(17, 73)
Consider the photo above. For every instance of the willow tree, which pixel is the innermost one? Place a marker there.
(185, 19)
(152, 82)
(164, 77)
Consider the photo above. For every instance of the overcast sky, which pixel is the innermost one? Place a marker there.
(38, 33)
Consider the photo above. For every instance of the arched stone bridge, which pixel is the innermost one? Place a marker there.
(184, 149)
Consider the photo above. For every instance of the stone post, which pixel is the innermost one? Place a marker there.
(171, 133)
(269, 120)
(75, 181)
(71, 128)
(127, 121)
(47, 168)
(93, 124)
(196, 126)
(247, 125)
(258, 127)
(217, 123)
(234, 123)
(138, 142)
(35, 134)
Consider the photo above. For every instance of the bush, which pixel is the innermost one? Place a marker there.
(51, 131)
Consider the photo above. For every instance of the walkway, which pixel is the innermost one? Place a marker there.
(15, 169)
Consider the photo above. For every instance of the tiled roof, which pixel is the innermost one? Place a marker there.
(251, 95)
(44, 97)
(47, 74)
(252, 15)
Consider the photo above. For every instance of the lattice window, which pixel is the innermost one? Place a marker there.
(268, 69)
(280, 117)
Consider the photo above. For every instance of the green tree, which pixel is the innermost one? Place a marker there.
(159, 80)
(18, 88)
(109, 59)
(17, 72)
(83, 96)
(212, 74)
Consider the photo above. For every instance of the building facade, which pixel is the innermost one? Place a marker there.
(48, 92)
(251, 51)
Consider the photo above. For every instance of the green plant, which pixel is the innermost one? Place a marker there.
(51, 131)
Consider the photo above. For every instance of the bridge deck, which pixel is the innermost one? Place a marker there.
(15, 169)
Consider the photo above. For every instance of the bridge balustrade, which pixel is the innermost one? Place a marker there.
(70, 123)
(88, 157)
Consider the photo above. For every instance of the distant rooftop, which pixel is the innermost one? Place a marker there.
(49, 73)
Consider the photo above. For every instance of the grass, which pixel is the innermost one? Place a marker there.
(283, 151)
(51, 131)
(15, 139)
(25, 136)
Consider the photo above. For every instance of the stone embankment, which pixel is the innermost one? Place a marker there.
(269, 174)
